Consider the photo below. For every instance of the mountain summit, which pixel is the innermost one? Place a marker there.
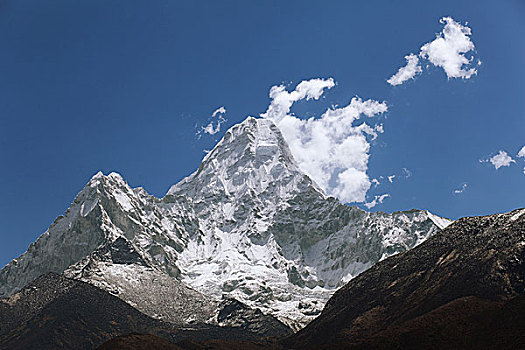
(251, 156)
(248, 224)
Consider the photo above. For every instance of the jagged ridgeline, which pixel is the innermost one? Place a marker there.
(248, 224)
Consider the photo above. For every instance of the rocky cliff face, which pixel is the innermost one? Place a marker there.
(248, 224)
(119, 269)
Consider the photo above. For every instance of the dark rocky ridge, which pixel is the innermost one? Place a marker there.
(56, 312)
(233, 313)
(481, 258)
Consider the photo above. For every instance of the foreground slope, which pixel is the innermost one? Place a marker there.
(465, 323)
(248, 224)
(56, 312)
(461, 287)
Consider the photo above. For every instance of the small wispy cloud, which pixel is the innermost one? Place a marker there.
(214, 123)
(220, 110)
(461, 189)
(403, 174)
(407, 173)
(446, 51)
(406, 72)
(501, 159)
(377, 200)
(521, 153)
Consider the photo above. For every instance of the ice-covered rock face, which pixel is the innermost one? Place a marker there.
(247, 224)
(266, 233)
(106, 209)
(68, 239)
(251, 156)
(243, 182)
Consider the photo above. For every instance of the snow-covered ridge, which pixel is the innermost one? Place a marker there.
(247, 224)
(439, 221)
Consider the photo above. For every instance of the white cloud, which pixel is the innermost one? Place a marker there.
(377, 200)
(521, 153)
(215, 123)
(391, 178)
(501, 159)
(407, 173)
(220, 110)
(375, 182)
(462, 189)
(407, 72)
(211, 129)
(332, 149)
(283, 100)
(447, 51)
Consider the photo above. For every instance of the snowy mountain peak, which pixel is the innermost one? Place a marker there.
(105, 210)
(251, 156)
(98, 175)
(438, 220)
(261, 231)
(247, 224)
(261, 138)
(112, 179)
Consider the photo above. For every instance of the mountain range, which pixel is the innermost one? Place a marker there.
(463, 288)
(248, 224)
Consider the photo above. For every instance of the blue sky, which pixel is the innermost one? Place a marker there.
(125, 85)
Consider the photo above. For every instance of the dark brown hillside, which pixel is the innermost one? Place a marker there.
(54, 312)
